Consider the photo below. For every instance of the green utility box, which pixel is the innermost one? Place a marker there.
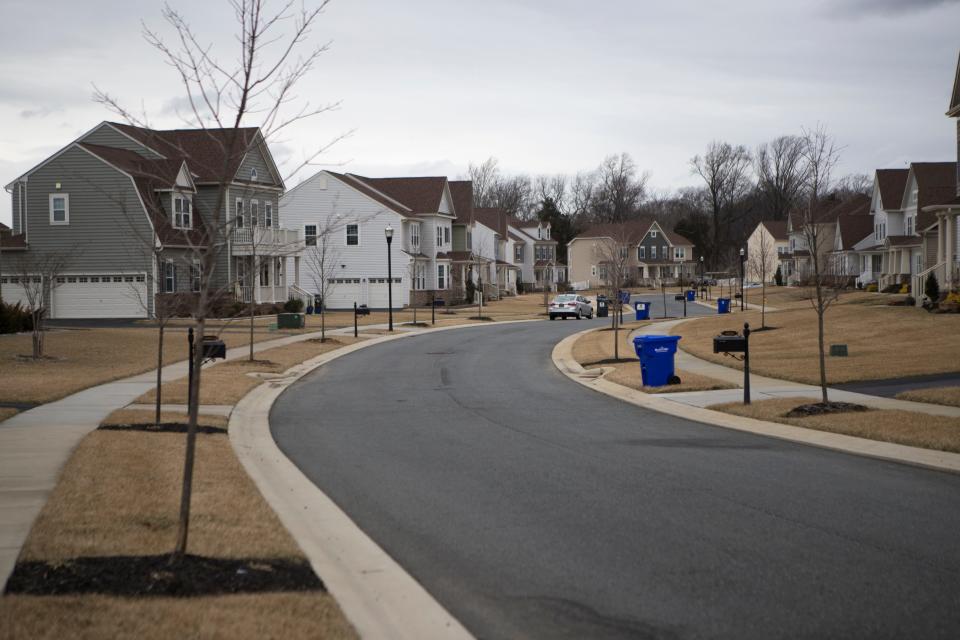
(291, 321)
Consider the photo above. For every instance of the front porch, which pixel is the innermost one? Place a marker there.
(261, 279)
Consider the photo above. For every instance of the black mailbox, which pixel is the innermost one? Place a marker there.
(363, 310)
(678, 297)
(729, 344)
(213, 347)
(438, 302)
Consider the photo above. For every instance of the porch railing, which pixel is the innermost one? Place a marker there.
(919, 281)
(266, 241)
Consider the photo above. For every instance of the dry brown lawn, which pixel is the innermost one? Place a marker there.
(146, 417)
(596, 347)
(628, 374)
(227, 382)
(883, 341)
(949, 396)
(82, 358)
(267, 615)
(7, 413)
(900, 427)
(119, 495)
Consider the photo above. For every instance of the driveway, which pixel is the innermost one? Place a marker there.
(532, 507)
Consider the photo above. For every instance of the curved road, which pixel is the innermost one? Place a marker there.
(532, 507)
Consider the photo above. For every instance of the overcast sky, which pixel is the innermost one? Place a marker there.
(545, 87)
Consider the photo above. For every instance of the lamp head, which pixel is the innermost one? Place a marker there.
(388, 232)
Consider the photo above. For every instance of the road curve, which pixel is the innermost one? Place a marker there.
(532, 507)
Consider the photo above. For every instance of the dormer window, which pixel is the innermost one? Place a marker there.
(182, 212)
(253, 174)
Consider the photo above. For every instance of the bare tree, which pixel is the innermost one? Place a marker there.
(38, 272)
(551, 188)
(582, 188)
(619, 191)
(614, 252)
(759, 264)
(484, 177)
(820, 157)
(321, 260)
(274, 55)
(725, 170)
(779, 168)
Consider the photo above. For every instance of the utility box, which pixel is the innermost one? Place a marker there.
(838, 350)
(291, 321)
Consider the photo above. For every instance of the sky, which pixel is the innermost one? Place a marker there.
(427, 86)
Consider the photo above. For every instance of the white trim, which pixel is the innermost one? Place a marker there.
(66, 208)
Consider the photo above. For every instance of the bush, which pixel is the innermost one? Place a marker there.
(932, 288)
(904, 288)
(519, 287)
(778, 277)
(293, 305)
(471, 289)
(891, 288)
(910, 301)
(14, 318)
(872, 287)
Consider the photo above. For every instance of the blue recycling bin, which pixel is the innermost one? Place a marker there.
(723, 305)
(656, 358)
(642, 309)
(691, 295)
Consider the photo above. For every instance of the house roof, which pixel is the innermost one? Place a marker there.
(853, 229)
(632, 230)
(370, 192)
(936, 184)
(776, 228)
(4, 227)
(206, 150)
(492, 218)
(418, 194)
(462, 193)
(892, 183)
(10, 241)
(148, 176)
(903, 241)
(954, 109)
(516, 237)
(832, 207)
(461, 256)
(676, 238)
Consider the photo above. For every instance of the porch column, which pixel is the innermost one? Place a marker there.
(951, 234)
(941, 238)
(296, 271)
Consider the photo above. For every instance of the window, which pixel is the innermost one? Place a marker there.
(59, 208)
(182, 213)
(469, 240)
(265, 273)
(254, 213)
(679, 253)
(641, 253)
(353, 235)
(446, 235)
(169, 277)
(310, 235)
(419, 276)
(268, 214)
(439, 235)
(909, 225)
(415, 237)
(441, 276)
(278, 271)
(518, 253)
(664, 252)
(195, 273)
(239, 213)
(623, 253)
(593, 270)
(253, 174)
(653, 233)
(653, 252)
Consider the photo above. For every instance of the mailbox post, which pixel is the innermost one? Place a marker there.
(433, 307)
(729, 343)
(211, 348)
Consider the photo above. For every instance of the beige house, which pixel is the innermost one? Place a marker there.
(766, 246)
(649, 253)
(798, 262)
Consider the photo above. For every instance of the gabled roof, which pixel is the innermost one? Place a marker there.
(462, 193)
(902, 241)
(418, 194)
(632, 230)
(361, 186)
(832, 207)
(892, 183)
(851, 229)
(206, 150)
(493, 218)
(954, 110)
(936, 184)
(776, 228)
(675, 238)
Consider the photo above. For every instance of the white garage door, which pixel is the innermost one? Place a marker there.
(100, 296)
(12, 291)
(343, 292)
(379, 293)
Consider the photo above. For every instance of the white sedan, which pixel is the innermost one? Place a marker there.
(570, 305)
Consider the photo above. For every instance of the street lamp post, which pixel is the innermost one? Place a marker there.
(703, 286)
(743, 257)
(388, 232)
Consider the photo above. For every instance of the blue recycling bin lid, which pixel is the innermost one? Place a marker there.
(655, 345)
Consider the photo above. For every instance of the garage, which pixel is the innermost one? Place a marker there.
(12, 291)
(378, 293)
(100, 296)
(343, 292)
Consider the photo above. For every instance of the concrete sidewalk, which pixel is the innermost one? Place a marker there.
(765, 388)
(35, 444)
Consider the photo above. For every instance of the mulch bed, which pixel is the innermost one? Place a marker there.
(823, 408)
(163, 427)
(482, 318)
(325, 340)
(138, 576)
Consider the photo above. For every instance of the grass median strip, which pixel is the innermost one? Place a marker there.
(900, 427)
(7, 413)
(949, 396)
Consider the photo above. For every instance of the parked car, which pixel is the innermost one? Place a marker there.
(570, 305)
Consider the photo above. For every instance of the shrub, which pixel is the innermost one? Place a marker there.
(952, 297)
(904, 288)
(471, 289)
(14, 318)
(910, 301)
(932, 288)
(778, 277)
(872, 287)
(293, 305)
(891, 288)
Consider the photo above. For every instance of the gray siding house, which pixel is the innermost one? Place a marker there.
(128, 211)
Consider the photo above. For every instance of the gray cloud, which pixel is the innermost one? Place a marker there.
(892, 7)
(40, 112)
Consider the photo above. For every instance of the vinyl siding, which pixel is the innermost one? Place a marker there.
(109, 137)
(15, 207)
(255, 160)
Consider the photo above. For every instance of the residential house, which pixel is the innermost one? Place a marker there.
(352, 213)
(493, 244)
(534, 251)
(798, 262)
(651, 253)
(766, 247)
(887, 219)
(846, 263)
(131, 209)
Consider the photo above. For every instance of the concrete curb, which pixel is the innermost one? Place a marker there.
(379, 598)
(939, 460)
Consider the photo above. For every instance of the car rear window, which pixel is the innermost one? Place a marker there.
(566, 298)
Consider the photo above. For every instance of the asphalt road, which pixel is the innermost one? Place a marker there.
(532, 507)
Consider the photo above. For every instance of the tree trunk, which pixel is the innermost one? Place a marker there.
(323, 322)
(763, 304)
(252, 309)
(159, 374)
(186, 494)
